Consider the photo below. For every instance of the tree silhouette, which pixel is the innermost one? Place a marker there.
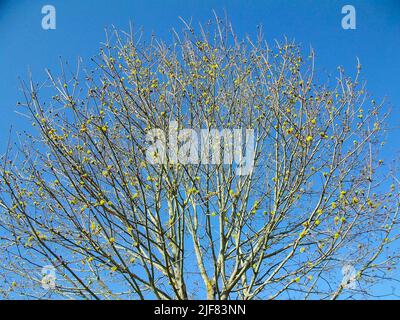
(79, 194)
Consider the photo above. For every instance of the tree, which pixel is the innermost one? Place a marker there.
(80, 194)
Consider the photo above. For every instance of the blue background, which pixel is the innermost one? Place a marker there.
(81, 24)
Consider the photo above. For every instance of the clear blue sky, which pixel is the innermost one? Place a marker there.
(81, 24)
(80, 28)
